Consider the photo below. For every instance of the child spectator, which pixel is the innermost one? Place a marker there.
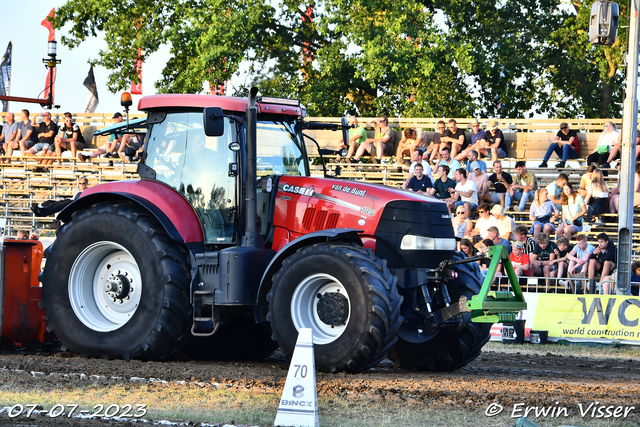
(573, 209)
(543, 213)
(561, 259)
(602, 262)
(520, 260)
(579, 260)
(543, 256)
(520, 232)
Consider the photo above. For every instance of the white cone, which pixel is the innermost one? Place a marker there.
(299, 403)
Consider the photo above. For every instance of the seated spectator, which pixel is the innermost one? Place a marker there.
(608, 147)
(494, 145)
(485, 262)
(614, 203)
(543, 257)
(472, 156)
(50, 207)
(573, 210)
(602, 262)
(462, 225)
(481, 179)
(412, 139)
(505, 225)
(455, 137)
(585, 179)
(436, 144)
(110, 148)
(131, 148)
(520, 232)
(466, 247)
(494, 234)
(22, 235)
(381, 144)
(418, 182)
(442, 185)
(597, 198)
(465, 192)
(25, 137)
(560, 262)
(357, 135)
(501, 183)
(634, 278)
(543, 213)
(45, 132)
(445, 154)
(9, 134)
(484, 221)
(579, 260)
(554, 190)
(519, 260)
(35, 234)
(476, 135)
(522, 189)
(565, 145)
(416, 158)
(70, 138)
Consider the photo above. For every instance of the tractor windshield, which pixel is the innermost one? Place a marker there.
(281, 149)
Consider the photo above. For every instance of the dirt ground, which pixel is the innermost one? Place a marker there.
(537, 380)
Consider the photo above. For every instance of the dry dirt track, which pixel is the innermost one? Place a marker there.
(538, 380)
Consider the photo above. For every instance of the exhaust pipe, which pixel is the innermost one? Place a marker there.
(251, 227)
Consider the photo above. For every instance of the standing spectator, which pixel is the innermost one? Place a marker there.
(466, 247)
(418, 182)
(476, 135)
(522, 188)
(554, 190)
(506, 224)
(462, 225)
(9, 134)
(26, 134)
(565, 145)
(357, 135)
(573, 209)
(579, 259)
(543, 257)
(381, 144)
(465, 189)
(597, 195)
(520, 232)
(436, 144)
(472, 156)
(602, 262)
(607, 148)
(49, 207)
(494, 145)
(494, 234)
(543, 213)
(519, 260)
(412, 139)
(484, 221)
(45, 133)
(454, 136)
(442, 185)
(417, 160)
(561, 259)
(481, 179)
(70, 139)
(445, 153)
(501, 183)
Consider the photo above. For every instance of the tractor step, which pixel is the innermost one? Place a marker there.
(208, 323)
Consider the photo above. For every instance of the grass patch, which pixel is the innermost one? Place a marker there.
(574, 349)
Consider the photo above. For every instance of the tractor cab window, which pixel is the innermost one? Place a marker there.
(196, 165)
(280, 149)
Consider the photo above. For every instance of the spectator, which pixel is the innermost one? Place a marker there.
(614, 204)
(9, 134)
(635, 278)
(466, 247)
(520, 231)
(573, 209)
(543, 257)
(476, 135)
(494, 144)
(70, 139)
(607, 148)
(417, 160)
(579, 259)
(436, 144)
(543, 213)
(519, 260)
(45, 132)
(484, 222)
(442, 185)
(27, 137)
(35, 234)
(462, 225)
(381, 144)
(472, 156)
(131, 147)
(494, 234)
(565, 145)
(465, 189)
(22, 235)
(561, 259)
(357, 135)
(585, 179)
(501, 183)
(506, 224)
(50, 207)
(412, 139)
(484, 263)
(481, 179)
(602, 262)
(445, 153)
(597, 195)
(522, 188)
(110, 148)
(554, 190)
(455, 137)
(418, 182)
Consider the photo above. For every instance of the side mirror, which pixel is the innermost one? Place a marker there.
(213, 121)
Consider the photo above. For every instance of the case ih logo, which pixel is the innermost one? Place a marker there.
(303, 191)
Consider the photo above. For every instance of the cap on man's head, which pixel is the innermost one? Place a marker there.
(116, 115)
(497, 210)
(475, 165)
(493, 124)
(518, 244)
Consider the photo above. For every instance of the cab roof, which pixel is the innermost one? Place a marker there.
(227, 103)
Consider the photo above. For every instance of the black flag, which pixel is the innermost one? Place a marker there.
(92, 97)
(5, 76)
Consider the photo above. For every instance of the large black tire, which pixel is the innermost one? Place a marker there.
(452, 347)
(353, 288)
(146, 314)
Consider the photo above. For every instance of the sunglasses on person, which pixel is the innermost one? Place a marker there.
(481, 211)
(459, 212)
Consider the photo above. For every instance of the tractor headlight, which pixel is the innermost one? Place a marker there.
(421, 243)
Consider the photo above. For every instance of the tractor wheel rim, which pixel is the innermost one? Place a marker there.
(105, 286)
(304, 307)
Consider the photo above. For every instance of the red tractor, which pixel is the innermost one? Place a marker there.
(227, 239)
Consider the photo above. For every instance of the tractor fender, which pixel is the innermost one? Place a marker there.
(329, 235)
(173, 212)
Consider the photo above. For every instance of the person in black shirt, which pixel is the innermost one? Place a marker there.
(46, 132)
(454, 136)
(602, 262)
(494, 144)
(565, 145)
(501, 182)
(418, 182)
(441, 185)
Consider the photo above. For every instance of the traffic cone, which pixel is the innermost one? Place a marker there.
(299, 403)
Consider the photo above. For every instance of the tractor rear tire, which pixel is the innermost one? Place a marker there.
(346, 295)
(116, 286)
(452, 347)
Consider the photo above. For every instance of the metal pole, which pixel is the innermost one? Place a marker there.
(628, 157)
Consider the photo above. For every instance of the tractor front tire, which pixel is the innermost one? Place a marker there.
(451, 347)
(116, 286)
(347, 297)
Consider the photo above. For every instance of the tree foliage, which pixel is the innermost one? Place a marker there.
(440, 58)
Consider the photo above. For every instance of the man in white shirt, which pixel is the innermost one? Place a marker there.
(505, 225)
(484, 222)
(466, 191)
